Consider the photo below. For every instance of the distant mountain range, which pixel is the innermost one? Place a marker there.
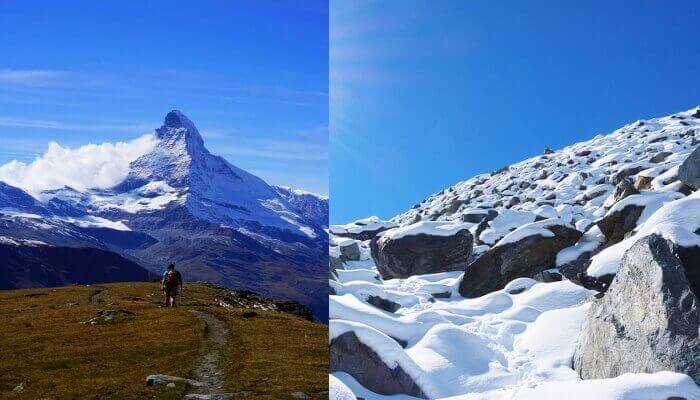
(182, 204)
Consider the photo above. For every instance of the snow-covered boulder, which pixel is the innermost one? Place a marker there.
(627, 213)
(478, 215)
(362, 229)
(689, 171)
(375, 360)
(349, 250)
(647, 321)
(425, 247)
(616, 224)
(524, 252)
(623, 189)
(642, 182)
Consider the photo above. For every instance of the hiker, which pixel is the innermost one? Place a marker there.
(172, 285)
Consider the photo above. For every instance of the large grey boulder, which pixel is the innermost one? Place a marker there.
(617, 224)
(348, 354)
(523, 258)
(421, 254)
(349, 251)
(647, 321)
(689, 171)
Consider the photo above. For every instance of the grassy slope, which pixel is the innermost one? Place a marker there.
(43, 344)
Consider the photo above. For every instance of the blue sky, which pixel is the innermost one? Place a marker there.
(425, 94)
(252, 75)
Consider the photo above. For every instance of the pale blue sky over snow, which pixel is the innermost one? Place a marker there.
(424, 94)
(252, 75)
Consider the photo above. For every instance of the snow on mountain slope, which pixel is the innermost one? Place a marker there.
(517, 342)
(210, 187)
(180, 203)
(572, 183)
(311, 205)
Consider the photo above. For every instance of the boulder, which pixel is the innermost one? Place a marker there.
(363, 229)
(643, 182)
(575, 272)
(421, 253)
(660, 157)
(348, 354)
(626, 172)
(548, 276)
(523, 253)
(617, 224)
(349, 251)
(477, 216)
(384, 304)
(689, 171)
(647, 321)
(623, 189)
(334, 263)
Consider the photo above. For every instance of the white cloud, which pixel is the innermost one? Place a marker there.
(32, 77)
(90, 166)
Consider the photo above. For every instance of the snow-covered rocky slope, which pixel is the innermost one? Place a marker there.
(180, 203)
(545, 238)
(310, 205)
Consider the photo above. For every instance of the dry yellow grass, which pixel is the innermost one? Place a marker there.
(274, 354)
(44, 345)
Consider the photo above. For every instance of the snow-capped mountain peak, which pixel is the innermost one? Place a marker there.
(179, 133)
(180, 150)
(211, 188)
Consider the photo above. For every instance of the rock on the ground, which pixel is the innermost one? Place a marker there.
(647, 321)
(363, 229)
(300, 396)
(521, 258)
(384, 304)
(617, 224)
(214, 396)
(251, 300)
(159, 379)
(334, 264)
(349, 251)
(643, 182)
(476, 216)
(660, 157)
(576, 272)
(689, 171)
(624, 188)
(107, 316)
(421, 254)
(348, 354)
